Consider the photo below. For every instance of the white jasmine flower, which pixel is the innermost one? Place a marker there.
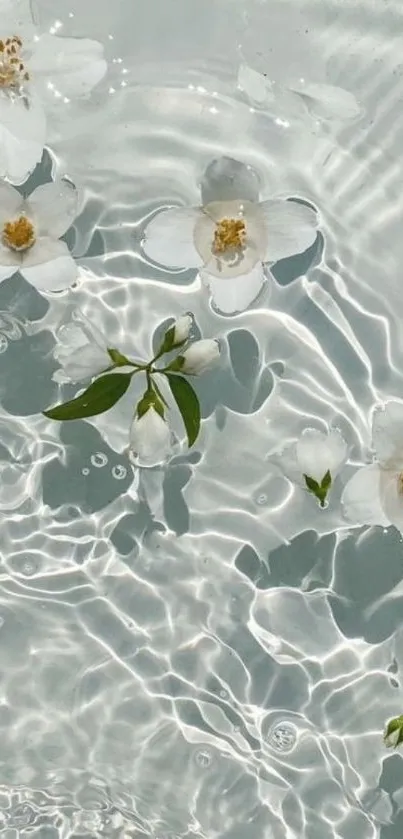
(33, 67)
(150, 439)
(82, 352)
(316, 455)
(231, 235)
(374, 495)
(322, 101)
(30, 231)
(200, 357)
(182, 329)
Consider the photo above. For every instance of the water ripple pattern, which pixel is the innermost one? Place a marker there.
(200, 651)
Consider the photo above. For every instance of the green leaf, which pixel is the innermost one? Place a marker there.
(319, 490)
(99, 397)
(117, 357)
(312, 485)
(149, 400)
(326, 482)
(188, 405)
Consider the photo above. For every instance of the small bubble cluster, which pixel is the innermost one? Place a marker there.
(282, 737)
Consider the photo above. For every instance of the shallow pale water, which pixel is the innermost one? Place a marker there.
(200, 651)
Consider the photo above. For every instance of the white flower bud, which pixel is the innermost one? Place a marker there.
(200, 356)
(82, 352)
(150, 439)
(182, 329)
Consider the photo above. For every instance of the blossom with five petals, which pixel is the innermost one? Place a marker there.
(30, 231)
(36, 67)
(231, 235)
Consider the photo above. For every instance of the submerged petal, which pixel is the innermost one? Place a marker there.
(387, 434)
(226, 179)
(237, 293)
(254, 84)
(169, 238)
(72, 66)
(22, 136)
(326, 101)
(49, 266)
(53, 208)
(361, 498)
(391, 494)
(291, 228)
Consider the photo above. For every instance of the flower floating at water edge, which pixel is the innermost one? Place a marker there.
(231, 236)
(374, 494)
(36, 67)
(30, 231)
(85, 354)
(393, 736)
(315, 460)
(323, 101)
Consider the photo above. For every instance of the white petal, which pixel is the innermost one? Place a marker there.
(361, 497)
(235, 263)
(387, 434)
(200, 357)
(237, 293)
(318, 452)
(254, 84)
(11, 203)
(10, 261)
(53, 208)
(326, 101)
(150, 440)
(22, 137)
(169, 238)
(72, 65)
(49, 266)
(80, 365)
(226, 179)
(392, 497)
(291, 228)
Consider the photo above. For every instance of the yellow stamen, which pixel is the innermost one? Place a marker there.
(230, 234)
(13, 72)
(19, 235)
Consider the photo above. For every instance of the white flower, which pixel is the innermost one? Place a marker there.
(200, 356)
(231, 235)
(150, 439)
(33, 68)
(29, 235)
(374, 495)
(182, 329)
(322, 101)
(315, 454)
(82, 352)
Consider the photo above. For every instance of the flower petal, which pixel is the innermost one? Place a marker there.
(254, 84)
(227, 179)
(237, 293)
(318, 452)
(10, 262)
(392, 496)
(169, 238)
(236, 262)
(11, 203)
(49, 266)
(326, 101)
(291, 228)
(22, 137)
(80, 364)
(387, 434)
(67, 66)
(361, 498)
(53, 208)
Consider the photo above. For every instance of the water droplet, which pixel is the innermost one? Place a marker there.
(85, 471)
(282, 737)
(203, 758)
(99, 459)
(223, 694)
(3, 343)
(119, 472)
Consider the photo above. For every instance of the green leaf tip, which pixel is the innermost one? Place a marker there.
(188, 404)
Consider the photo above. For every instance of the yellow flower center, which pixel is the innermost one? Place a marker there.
(13, 72)
(230, 234)
(19, 235)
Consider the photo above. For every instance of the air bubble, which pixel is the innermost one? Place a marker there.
(223, 694)
(119, 472)
(3, 343)
(85, 471)
(99, 460)
(282, 737)
(262, 498)
(28, 568)
(203, 758)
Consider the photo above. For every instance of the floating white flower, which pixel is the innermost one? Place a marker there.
(82, 352)
(231, 235)
(322, 101)
(150, 439)
(374, 495)
(29, 235)
(33, 68)
(315, 460)
(200, 357)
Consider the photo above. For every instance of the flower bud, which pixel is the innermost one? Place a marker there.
(150, 439)
(182, 329)
(200, 357)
